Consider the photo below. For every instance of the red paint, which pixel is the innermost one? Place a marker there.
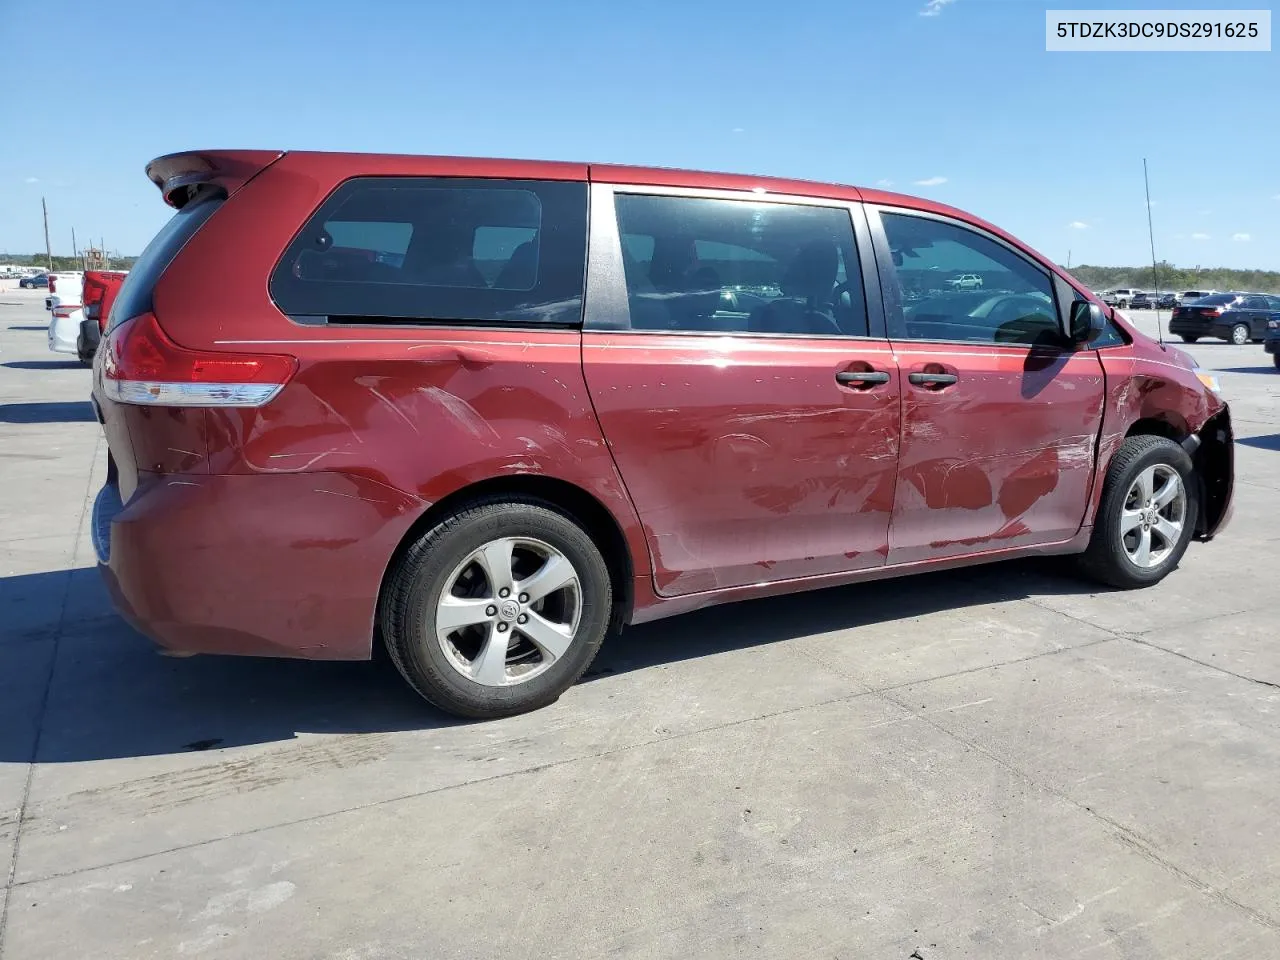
(733, 466)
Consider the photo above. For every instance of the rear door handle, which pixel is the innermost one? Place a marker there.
(862, 378)
(932, 379)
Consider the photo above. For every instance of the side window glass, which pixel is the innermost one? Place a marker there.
(958, 285)
(700, 265)
(1273, 303)
(1255, 303)
(384, 250)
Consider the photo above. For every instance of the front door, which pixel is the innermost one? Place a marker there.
(728, 351)
(1000, 417)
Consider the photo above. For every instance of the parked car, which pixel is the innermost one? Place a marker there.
(65, 291)
(966, 281)
(1168, 301)
(1236, 317)
(1271, 342)
(1144, 301)
(448, 404)
(32, 283)
(1189, 295)
(1121, 297)
(100, 290)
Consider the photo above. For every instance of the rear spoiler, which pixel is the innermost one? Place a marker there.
(180, 176)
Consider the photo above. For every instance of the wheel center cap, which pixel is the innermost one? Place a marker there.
(508, 610)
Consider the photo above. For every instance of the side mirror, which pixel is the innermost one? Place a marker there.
(1087, 321)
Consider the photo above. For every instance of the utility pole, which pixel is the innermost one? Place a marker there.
(48, 251)
(75, 250)
(1068, 259)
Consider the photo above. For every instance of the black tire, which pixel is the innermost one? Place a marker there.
(1236, 337)
(1105, 559)
(1187, 339)
(408, 611)
(1275, 358)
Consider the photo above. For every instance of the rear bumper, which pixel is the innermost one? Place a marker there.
(1271, 346)
(63, 331)
(1198, 328)
(283, 565)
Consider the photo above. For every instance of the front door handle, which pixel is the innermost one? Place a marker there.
(932, 379)
(862, 378)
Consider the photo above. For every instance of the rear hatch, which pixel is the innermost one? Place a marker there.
(138, 370)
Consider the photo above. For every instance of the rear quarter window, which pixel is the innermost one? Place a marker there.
(437, 250)
(135, 294)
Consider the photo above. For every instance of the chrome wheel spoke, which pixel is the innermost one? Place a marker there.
(1129, 519)
(552, 639)
(1142, 552)
(1169, 531)
(495, 559)
(554, 575)
(1146, 480)
(490, 665)
(1171, 487)
(454, 613)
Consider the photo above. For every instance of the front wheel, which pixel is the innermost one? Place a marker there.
(1275, 358)
(1240, 334)
(498, 609)
(1147, 515)
(1187, 339)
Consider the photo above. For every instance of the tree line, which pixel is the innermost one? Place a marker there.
(1168, 277)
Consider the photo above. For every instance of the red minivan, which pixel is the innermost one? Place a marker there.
(486, 412)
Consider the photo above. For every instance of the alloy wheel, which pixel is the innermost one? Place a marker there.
(1154, 515)
(509, 611)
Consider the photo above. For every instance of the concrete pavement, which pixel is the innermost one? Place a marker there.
(999, 762)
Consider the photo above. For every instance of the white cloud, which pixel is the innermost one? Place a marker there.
(738, 130)
(934, 7)
(884, 183)
(1200, 236)
(931, 182)
(1153, 203)
(32, 180)
(1078, 225)
(1276, 197)
(1241, 237)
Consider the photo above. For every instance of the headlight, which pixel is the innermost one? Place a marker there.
(1209, 380)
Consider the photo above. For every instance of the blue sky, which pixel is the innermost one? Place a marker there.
(951, 99)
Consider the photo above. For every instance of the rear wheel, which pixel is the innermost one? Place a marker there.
(1240, 334)
(1146, 517)
(1188, 339)
(498, 609)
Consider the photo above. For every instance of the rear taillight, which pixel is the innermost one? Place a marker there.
(142, 365)
(53, 283)
(1211, 312)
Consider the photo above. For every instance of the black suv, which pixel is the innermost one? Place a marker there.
(1236, 317)
(1143, 301)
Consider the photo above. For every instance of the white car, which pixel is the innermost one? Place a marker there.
(966, 281)
(64, 302)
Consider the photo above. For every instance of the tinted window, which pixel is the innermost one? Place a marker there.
(1255, 303)
(1273, 303)
(1218, 299)
(422, 249)
(740, 266)
(135, 293)
(1014, 303)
